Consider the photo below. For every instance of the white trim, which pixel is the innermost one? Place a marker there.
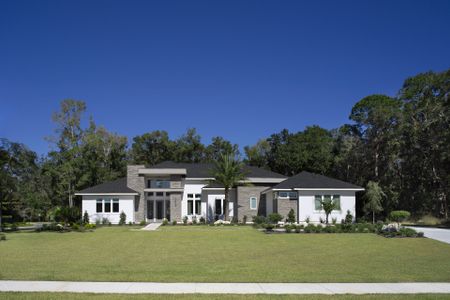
(256, 202)
(106, 194)
(162, 171)
(210, 188)
(199, 178)
(263, 179)
(163, 190)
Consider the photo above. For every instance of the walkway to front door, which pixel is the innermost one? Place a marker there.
(152, 226)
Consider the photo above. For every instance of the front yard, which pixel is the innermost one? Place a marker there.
(220, 254)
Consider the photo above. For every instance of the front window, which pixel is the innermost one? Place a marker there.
(158, 184)
(99, 206)
(115, 205)
(336, 199)
(290, 195)
(190, 207)
(107, 205)
(253, 203)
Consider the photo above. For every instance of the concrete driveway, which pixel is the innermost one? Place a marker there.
(438, 234)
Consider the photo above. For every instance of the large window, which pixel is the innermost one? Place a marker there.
(99, 205)
(194, 204)
(115, 205)
(319, 198)
(158, 184)
(290, 195)
(253, 203)
(107, 205)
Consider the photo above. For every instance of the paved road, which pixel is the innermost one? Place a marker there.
(439, 234)
(223, 288)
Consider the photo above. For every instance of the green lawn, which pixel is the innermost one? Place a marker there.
(220, 254)
(71, 296)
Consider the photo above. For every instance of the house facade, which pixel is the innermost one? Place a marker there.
(174, 191)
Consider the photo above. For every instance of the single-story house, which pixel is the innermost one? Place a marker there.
(177, 190)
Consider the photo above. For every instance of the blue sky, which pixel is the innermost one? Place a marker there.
(239, 69)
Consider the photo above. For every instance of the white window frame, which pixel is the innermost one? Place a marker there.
(332, 198)
(256, 203)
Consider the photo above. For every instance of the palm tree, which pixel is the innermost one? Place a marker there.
(228, 172)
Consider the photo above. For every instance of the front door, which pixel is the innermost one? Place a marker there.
(150, 212)
(159, 210)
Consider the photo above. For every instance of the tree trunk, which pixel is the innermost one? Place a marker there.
(225, 205)
(373, 217)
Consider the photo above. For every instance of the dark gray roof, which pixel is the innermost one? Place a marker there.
(203, 170)
(311, 180)
(116, 186)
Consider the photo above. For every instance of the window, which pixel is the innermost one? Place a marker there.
(198, 207)
(190, 195)
(335, 198)
(159, 194)
(158, 184)
(107, 205)
(150, 194)
(99, 206)
(318, 202)
(116, 205)
(198, 196)
(290, 195)
(190, 207)
(253, 203)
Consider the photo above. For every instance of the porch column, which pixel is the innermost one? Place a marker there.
(154, 210)
(164, 207)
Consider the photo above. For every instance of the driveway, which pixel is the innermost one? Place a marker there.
(438, 234)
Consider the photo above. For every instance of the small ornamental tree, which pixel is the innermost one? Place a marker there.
(291, 216)
(85, 217)
(399, 215)
(328, 207)
(123, 218)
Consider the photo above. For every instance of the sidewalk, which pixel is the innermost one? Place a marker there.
(223, 288)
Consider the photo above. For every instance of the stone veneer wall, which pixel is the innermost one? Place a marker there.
(285, 205)
(137, 183)
(243, 199)
(175, 206)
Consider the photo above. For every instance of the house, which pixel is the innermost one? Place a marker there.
(176, 190)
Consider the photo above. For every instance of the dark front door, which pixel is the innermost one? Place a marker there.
(159, 209)
(150, 212)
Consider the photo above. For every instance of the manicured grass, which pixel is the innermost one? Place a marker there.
(220, 254)
(72, 296)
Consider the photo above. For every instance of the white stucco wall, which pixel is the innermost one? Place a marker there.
(193, 187)
(126, 204)
(307, 207)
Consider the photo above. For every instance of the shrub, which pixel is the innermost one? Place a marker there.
(274, 218)
(85, 217)
(310, 228)
(420, 234)
(348, 217)
(298, 229)
(130, 223)
(202, 220)
(123, 218)
(174, 222)
(269, 227)
(333, 221)
(68, 214)
(185, 219)
(288, 228)
(75, 227)
(2, 237)
(307, 220)
(142, 223)
(291, 216)
(13, 227)
(408, 232)
(259, 220)
(194, 220)
(165, 222)
(399, 215)
(105, 221)
(329, 229)
(244, 219)
(89, 226)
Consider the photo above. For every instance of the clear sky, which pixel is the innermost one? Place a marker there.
(239, 69)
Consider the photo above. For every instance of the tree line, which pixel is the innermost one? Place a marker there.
(398, 147)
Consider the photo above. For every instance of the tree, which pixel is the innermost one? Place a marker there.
(257, 155)
(68, 139)
(189, 148)
(373, 196)
(328, 206)
(152, 148)
(218, 147)
(228, 172)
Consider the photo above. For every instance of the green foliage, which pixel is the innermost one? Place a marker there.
(328, 206)
(86, 217)
(373, 197)
(165, 222)
(244, 219)
(2, 237)
(123, 218)
(185, 220)
(257, 220)
(142, 223)
(399, 215)
(274, 218)
(227, 171)
(291, 216)
(174, 222)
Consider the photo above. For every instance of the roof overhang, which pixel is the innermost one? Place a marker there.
(263, 180)
(163, 190)
(106, 194)
(329, 189)
(162, 171)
